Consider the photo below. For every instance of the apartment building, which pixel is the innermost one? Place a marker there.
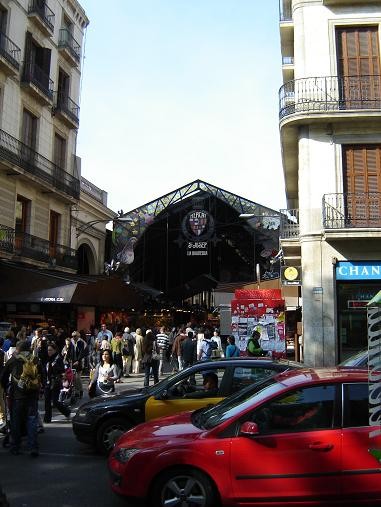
(40, 70)
(330, 128)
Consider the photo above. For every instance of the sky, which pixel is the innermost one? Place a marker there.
(178, 90)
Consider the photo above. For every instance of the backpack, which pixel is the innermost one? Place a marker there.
(30, 378)
(210, 346)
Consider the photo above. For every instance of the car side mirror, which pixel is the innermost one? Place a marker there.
(162, 396)
(249, 429)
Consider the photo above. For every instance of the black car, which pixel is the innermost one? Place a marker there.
(101, 421)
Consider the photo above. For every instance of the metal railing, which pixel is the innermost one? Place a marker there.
(26, 245)
(66, 40)
(64, 103)
(23, 156)
(46, 14)
(352, 210)
(10, 51)
(289, 224)
(34, 74)
(287, 60)
(330, 93)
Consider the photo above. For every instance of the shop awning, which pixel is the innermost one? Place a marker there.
(19, 284)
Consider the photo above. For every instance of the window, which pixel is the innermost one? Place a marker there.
(59, 151)
(63, 87)
(356, 405)
(362, 184)
(54, 232)
(3, 23)
(29, 129)
(245, 376)
(302, 410)
(22, 218)
(193, 386)
(37, 64)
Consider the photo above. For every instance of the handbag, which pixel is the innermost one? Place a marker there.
(155, 353)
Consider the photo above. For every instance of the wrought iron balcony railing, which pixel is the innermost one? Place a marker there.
(10, 51)
(289, 224)
(25, 245)
(64, 103)
(330, 93)
(21, 155)
(359, 210)
(34, 74)
(66, 40)
(46, 14)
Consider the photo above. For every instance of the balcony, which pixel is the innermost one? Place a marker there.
(352, 211)
(42, 16)
(289, 224)
(22, 157)
(69, 47)
(10, 55)
(38, 82)
(66, 109)
(330, 94)
(21, 244)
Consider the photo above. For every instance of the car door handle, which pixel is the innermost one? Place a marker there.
(320, 446)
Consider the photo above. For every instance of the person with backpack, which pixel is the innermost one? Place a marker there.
(207, 347)
(22, 373)
(253, 346)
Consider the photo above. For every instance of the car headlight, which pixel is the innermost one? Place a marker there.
(82, 413)
(123, 454)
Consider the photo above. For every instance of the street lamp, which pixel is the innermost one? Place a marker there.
(88, 225)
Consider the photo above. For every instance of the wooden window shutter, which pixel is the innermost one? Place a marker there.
(362, 184)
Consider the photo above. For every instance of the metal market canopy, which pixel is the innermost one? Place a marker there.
(137, 223)
(151, 240)
(29, 285)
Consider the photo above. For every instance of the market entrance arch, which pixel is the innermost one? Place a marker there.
(194, 238)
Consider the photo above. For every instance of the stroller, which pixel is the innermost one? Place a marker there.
(68, 394)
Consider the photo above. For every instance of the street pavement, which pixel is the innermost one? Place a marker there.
(67, 473)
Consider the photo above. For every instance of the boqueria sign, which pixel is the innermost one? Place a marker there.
(374, 368)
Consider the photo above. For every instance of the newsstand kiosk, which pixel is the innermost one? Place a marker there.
(263, 311)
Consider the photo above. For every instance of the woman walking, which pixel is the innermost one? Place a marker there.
(138, 352)
(105, 375)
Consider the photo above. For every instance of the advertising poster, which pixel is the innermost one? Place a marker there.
(263, 311)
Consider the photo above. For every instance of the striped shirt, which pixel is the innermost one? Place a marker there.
(162, 341)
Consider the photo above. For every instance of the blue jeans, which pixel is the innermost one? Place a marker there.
(24, 416)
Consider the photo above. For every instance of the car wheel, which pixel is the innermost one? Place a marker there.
(183, 486)
(109, 432)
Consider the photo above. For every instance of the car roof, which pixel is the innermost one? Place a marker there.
(258, 360)
(293, 378)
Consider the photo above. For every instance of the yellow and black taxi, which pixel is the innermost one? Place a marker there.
(101, 421)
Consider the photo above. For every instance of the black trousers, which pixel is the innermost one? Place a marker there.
(51, 397)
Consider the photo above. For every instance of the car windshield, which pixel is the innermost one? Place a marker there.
(357, 360)
(211, 417)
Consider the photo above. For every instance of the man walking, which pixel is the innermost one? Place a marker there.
(162, 342)
(23, 371)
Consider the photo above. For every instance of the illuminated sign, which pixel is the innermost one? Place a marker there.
(356, 270)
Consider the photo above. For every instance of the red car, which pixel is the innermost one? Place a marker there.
(299, 438)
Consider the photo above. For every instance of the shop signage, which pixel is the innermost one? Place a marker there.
(352, 303)
(52, 300)
(357, 270)
(291, 275)
(198, 228)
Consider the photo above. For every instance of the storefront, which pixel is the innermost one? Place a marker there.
(356, 284)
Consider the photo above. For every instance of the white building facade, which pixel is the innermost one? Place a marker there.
(330, 127)
(40, 71)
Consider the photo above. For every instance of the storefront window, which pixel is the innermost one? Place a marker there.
(352, 299)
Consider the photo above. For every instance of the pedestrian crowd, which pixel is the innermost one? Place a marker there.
(49, 363)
